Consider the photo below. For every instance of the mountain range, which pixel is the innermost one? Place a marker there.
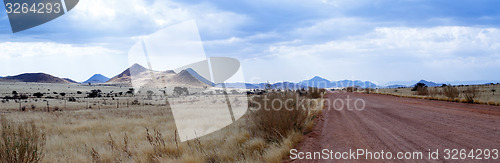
(142, 76)
(189, 77)
(316, 81)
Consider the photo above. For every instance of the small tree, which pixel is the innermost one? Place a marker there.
(150, 95)
(418, 85)
(38, 95)
(130, 91)
(181, 91)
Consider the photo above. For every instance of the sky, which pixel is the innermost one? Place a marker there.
(281, 40)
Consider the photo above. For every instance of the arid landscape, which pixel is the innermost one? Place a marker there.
(139, 116)
(197, 81)
(113, 122)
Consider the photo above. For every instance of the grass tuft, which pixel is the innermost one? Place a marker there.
(20, 142)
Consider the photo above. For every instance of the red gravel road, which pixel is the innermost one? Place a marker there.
(395, 124)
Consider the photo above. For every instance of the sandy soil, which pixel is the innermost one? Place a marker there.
(403, 125)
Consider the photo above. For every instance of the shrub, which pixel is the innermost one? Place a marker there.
(422, 91)
(418, 85)
(275, 124)
(38, 95)
(314, 92)
(450, 92)
(369, 90)
(72, 99)
(20, 142)
(179, 91)
(94, 93)
(135, 102)
(470, 93)
(150, 95)
(351, 89)
(433, 92)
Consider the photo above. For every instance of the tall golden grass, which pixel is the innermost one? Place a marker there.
(20, 142)
(148, 134)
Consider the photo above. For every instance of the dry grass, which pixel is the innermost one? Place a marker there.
(275, 121)
(316, 92)
(148, 134)
(21, 143)
(470, 93)
(450, 92)
(477, 94)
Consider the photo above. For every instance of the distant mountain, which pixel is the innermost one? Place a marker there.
(395, 86)
(150, 78)
(186, 78)
(324, 83)
(199, 77)
(239, 85)
(351, 83)
(125, 76)
(316, 82)
(405, 83)
(289, 85)
(279, 85)
(35, 78)
(70, 81)
(97, 78)
(473, 82)
(429, 83)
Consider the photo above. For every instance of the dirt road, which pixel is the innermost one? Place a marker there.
(395, 124)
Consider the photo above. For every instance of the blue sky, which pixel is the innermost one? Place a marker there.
(290, 40)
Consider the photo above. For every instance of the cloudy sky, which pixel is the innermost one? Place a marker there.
(292, 40)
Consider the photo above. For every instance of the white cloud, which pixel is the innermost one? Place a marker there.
(61, 60)
(392, 53)
(41, 49)
(149, 16)
(419, 42)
